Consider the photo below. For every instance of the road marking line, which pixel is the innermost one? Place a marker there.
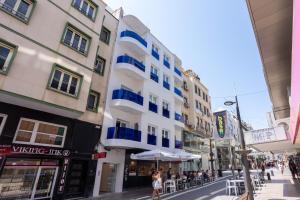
(215, 192)
(203, 197)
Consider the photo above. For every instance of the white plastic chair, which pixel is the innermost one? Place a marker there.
(231, 185)
(170, 185)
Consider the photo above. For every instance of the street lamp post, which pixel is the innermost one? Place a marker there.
(211, 155)
(243, 150)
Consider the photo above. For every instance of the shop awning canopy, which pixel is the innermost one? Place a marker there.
(158, 154)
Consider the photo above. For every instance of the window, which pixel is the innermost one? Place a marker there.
(199, 92)
(40, 133)
(88, 8)
(154, 70)
(151, 130)
(3, 118)
(7, 53)
(204, 110)
(165, 133)
(154, 48)
(166, 78)
(203, 95)
(153, 99)
(21, 9)
(75, 39)
(64, 81)
(105, 35)
(185, 100)
(99, 65)
(165, 105)
(93, 101)
(166, 58)
(196, 89)
(196, 104)
(198, 121)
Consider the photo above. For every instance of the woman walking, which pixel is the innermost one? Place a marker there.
(156, 184)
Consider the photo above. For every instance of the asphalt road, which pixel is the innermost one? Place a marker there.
(207, 192)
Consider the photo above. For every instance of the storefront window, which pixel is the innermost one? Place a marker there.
(145, 168)
(26, 178)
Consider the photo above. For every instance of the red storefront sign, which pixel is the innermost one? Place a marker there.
(99, 155)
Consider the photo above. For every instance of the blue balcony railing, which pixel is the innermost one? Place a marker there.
(177, 71)
(178, 91)
(166, 85)
(128, 95)
(134, 35)
(154, 77)
(178, 144)
(166, 113)
(178, 117)
(151, 139)
(155, 54)
(132, 61)
(165, 142)
(124, 133)
(167, 64)
(152, 107)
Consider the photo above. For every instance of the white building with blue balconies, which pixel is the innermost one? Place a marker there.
(143, 105)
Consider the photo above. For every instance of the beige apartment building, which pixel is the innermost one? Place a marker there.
(55, 59)
(197, 117)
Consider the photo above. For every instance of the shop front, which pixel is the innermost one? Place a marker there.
(45, 156)
(30, 172)
(137, 173)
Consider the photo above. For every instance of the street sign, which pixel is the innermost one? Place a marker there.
(99, 155)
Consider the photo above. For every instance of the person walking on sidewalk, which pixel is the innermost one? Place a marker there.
(156, 184)
(293, 168)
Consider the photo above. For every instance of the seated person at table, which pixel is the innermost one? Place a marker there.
(169, 175)
(205, 176)
(177, 176)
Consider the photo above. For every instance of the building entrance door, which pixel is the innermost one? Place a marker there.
(108, 177)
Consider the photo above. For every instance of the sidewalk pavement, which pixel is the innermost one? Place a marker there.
(134, 193)
(281, 187)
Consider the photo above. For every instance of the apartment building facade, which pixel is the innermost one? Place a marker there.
(143, 109)
(54, 66)
(197, 117)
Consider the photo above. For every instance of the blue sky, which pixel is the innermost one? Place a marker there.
(214, 38)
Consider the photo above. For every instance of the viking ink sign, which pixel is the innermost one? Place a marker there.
(26, 149)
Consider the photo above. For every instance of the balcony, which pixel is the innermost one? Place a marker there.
(178, 94)
(166, 113)
(165, 142)
(127, 101)
(178, 74)
(131, 67)
(133, 41)
(154, 77)
(179, 120)
(151, 139)
(166, 85)
(153, 107)
(178, 144)
(124, 134)
(166, 63)
(155, 54)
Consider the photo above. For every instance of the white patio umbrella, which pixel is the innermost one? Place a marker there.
(184, 156)
(156, 154)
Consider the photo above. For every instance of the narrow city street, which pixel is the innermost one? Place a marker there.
(206, 192)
